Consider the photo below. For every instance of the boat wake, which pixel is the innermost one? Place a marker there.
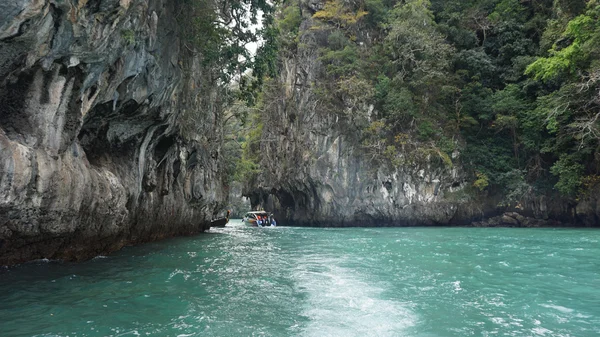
(341, 302)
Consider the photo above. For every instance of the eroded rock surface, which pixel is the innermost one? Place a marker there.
(91, 154)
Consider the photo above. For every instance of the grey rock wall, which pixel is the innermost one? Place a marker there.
(92, 94)
(331, 183)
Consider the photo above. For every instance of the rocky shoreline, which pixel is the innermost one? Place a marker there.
(513, 219)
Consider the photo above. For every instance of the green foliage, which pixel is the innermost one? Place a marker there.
(129, 36)
(509, 101)
(584, 32)
(245, 169)
(334, 12)
(446, 145)
(356, 90)
(426, 130)
(508, 10)
(342, 62)
(382, 88)
(288, 26)
(337, 40)
(391, 154)
(399, 105)
(482, 181)
(490, 155)
(571, 7)
(561, 62)
(476, 102)
(417, 50)
(445, 158)
(515, 187)
(569, 173)
(220, 33)
(376, 10)
(291, 19)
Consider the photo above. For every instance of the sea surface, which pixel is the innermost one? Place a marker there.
(243, 281)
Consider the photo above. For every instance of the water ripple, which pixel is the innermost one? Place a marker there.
(240, 281)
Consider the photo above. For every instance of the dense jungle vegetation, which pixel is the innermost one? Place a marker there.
(511, 85)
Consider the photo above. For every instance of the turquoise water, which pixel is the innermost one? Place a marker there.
(242, 281)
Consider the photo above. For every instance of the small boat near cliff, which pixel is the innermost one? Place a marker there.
(220, 222)
(259, 219)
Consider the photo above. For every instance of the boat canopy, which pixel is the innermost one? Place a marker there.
(255, 213)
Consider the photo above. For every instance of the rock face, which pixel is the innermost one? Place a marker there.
(92, 99)
(335, 186)
(315, 172)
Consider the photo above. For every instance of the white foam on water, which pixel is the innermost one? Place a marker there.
(342, 302)
(128, 333)
(456, 285)
(186, 274)
(558, 307)
(541, 331)
(44, 260)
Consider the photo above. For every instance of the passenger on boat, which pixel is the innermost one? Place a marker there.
(273, 222)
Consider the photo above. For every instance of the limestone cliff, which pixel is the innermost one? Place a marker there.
(315, 168)
(94, 98)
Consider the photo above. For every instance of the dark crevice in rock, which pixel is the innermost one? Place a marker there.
(192, 160)
(93, 6)
(48, 78)
(160, 150)
(57, 14)
(176, 170)
(73, 121)
(129, 108)
(12, 101)
(388, 186)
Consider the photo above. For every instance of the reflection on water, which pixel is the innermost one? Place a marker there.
(242, 281)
